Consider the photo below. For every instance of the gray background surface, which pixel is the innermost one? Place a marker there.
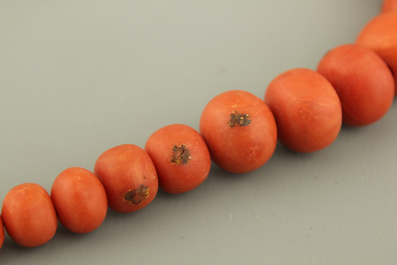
(79, 77)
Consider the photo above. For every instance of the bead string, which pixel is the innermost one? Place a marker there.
(236, 119)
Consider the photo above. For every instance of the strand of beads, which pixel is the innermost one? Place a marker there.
(353, 83)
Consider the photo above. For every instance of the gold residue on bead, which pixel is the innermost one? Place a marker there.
(180, 155)
(239, 119)
(137, 196)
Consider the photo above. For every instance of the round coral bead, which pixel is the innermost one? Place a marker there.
(29, 215)
(307, 109)
(363, 81)
(380, 35)
(129, 177)
(240, 131)
(79, 199)
(181, 157)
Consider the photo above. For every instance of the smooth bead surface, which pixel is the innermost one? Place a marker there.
(29, 215)
(380, 35)
(240, 131)
(181, 157)
(307, 109)
(79, 199)
(129, 177)
(364, 83)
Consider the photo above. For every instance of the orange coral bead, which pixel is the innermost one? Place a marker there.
(380, 35)
(29, 215)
